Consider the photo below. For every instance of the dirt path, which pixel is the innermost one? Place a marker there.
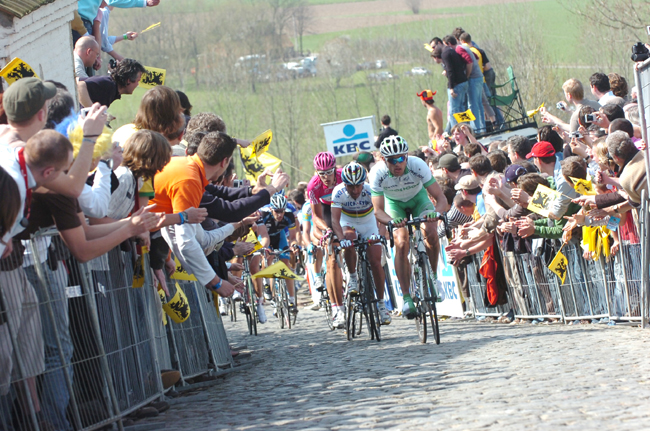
(349, 16)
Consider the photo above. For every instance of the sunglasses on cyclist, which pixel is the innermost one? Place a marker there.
(396, 160)
(326, 173)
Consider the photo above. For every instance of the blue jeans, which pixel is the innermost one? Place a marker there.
(55, 395)
(458, 103)
(475, 98)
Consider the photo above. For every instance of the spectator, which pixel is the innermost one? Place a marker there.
(386, 131)
(186, 105)
(60, 107)
(475, 82)
(364, 158)
(574, 94)
(86, 52)
(100, 32)
(618, 85)
(450, 167)
(457, 83)
(88, 8)
(462, 134)
(180, 186)
(518, 148)
(434, 116)
(600, 88)
(123, 79)
(631, 164)
(25, 105)
(11, 203)
(204, 122)
(484, 64)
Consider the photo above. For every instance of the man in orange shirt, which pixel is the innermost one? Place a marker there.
(180, 186)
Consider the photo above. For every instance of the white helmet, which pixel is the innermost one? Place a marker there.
(278, 202)
(393, 145)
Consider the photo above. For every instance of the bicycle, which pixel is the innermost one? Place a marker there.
(249, 303)
(363, 304)
(281, 295)
(324, 301)
(423, 286)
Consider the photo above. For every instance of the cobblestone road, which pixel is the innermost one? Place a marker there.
(482, 376)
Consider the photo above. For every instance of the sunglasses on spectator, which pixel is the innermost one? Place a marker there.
(326, 173)
(396, 160)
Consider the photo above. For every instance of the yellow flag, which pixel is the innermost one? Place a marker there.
(153, 77)
(428, 47)
(532, 113)
(138, 270)
(254, 166)
(559, 266)
(181, 273)
(151, 27)
(252, 238)
(163, 299)
(278, 270)
(17, 69)
(465, 117)
(584, 187)
(178, 308)
(542, 200)
(261, 144)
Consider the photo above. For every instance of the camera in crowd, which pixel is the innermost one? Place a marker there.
(640, 52)
(590, 118)
(575, 134)
(561, 106)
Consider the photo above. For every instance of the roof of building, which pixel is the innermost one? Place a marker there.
(20, 8)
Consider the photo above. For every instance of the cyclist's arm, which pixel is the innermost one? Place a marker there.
(263, 232)
(317, 216)
(336, 223)
(306, 233)
(436, 193)
(293, 240)
(380, 214)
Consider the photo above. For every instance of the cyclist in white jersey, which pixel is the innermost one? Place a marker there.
(401, 185)
(353, 216)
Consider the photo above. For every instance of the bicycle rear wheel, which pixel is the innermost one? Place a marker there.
(325, 302)
(233, 311)
(431, 295)
(277, 300)
(285, 302)
(253, 305)
(416, 294)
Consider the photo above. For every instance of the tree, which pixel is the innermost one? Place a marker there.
(414, 5)
(302, 19)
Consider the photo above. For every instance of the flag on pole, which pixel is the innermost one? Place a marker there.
(252, 238)
(178, 308)
(254, 166)
(532, 113)
(153, 77)
(278, 270)
(261, 144)
(17, 69)
(151, 27)
(559, 265)
(181, 273)
(584, 187)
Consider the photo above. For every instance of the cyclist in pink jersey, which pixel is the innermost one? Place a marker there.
(319, 191)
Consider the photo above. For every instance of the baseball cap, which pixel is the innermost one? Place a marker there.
(513, 172)
(427, 95)
(25, 97)
(449, 162)
(541, 149)
(468, 182)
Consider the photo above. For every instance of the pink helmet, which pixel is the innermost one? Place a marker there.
(324, 161)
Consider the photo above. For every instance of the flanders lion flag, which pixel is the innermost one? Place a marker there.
(181, 273)
(465, 117)
(278, 270)
(17, 69)
(178, 308)
(584, 187)
(252, 238)
(254, 166)
(153, 77)
(262, 143)
(559, 265)
(542, 200)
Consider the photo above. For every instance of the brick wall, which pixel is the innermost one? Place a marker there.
(43, 40)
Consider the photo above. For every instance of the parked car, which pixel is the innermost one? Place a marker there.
(418, 71)
(381, 64)
(384, 75)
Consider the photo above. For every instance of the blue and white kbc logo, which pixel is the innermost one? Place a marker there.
(348, 137)
(351, 142)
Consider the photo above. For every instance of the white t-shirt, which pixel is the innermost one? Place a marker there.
(403, 188)
(360, 208)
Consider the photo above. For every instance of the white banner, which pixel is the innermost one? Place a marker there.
(347, 137)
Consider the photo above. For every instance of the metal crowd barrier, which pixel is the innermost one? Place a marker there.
(81, 348)
(592, 289)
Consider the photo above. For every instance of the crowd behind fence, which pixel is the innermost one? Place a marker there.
(106, 343)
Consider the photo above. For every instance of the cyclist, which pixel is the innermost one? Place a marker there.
(271, 230)
(399, 186)
(319, 190)
(352, 215)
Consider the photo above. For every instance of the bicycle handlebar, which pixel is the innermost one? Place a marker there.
(417, 221)
(360, 242)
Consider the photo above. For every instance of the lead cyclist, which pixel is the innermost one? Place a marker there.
(401, 185)
(352, 216)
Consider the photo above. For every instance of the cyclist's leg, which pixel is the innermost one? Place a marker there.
(316, 235)
(423, 207)
(366, 229)
(350, 255)
(397, 209)
(334, 279)
(254, 266)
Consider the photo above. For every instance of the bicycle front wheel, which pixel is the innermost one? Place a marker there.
(430, 296)
(285, 302)
(372, 313)
(349, 317)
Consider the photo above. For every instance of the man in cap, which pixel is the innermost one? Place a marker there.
(25, 103)
(451, 169)
(434, 115)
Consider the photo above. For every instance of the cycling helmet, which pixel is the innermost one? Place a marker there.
(393, 145)
(278, 202)
(353, 174)
(324, 161)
